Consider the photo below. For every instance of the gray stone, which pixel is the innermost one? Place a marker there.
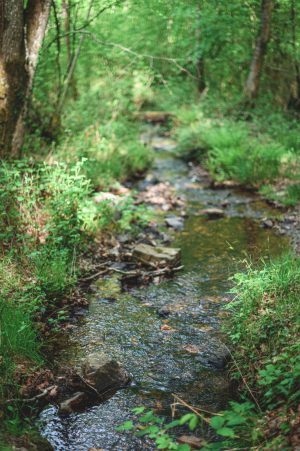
(214, 353)
(175, 222)
(267, 223)
(156, 256)
(213, 213)
(103, 373)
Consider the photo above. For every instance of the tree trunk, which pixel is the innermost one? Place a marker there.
(252, 84)
(66, 8)
(21, 36)
(294, 101)
(201, 85)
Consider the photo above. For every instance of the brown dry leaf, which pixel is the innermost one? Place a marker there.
(53, 393)
(191, 440)
(166, 327)
(192, 349)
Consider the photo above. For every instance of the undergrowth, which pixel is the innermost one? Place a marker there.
(235, 150)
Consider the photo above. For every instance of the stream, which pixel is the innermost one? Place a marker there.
(188, 359)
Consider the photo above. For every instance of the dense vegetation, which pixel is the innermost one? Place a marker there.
(229, 72)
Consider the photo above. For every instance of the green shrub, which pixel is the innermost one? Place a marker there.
(18, 337)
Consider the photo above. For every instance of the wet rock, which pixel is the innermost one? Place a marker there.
(216, 354)
(73, 404)
(103, 373)
(213, 213)
(267, 223)
(170, 309)
(156, 256)
(175, 222)
(163, 143)
(125, 238)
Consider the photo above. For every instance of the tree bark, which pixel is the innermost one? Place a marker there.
(294, 101)
(66, 8)
(253, 81)
(21, 36)
(201, 84)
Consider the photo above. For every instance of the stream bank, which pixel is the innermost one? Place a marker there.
(186, 357)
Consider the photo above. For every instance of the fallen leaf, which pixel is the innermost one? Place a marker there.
(166, 327)
(192, 349)
(191, 440)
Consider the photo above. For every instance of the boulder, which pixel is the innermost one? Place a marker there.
(214, 353)
(103, 373)
(156, 256)
(213, 213)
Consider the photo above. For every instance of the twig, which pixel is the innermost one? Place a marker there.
(183, 403)
(158, 272)
(35, 398)
(244, 380)
(93, 276)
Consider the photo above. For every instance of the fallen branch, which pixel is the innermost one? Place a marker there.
(41, 395)
(185, 404)
(138, 273)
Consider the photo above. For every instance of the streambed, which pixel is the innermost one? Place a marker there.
(188, 359)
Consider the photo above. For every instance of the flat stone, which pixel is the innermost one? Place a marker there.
(175, 222)
(156, 256)
(213, 213)
(163, 143)
(104, 373)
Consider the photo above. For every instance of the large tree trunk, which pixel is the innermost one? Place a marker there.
(252, 84)
(21, 36)
(294, 101)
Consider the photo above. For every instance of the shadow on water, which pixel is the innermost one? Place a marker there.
(188, 359)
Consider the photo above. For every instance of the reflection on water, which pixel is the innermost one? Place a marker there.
(186, 360)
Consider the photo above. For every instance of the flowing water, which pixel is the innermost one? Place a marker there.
(187, 360)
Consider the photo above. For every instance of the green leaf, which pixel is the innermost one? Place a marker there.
(172, 424)
(217, 422)
(138, 410)
(185, 418)
(127, 426)
(226, 432)
(193, 423)
(235, 420)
